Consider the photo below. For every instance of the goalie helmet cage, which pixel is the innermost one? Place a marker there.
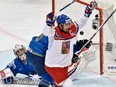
(70, 11)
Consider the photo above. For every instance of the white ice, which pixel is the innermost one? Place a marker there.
(20, 20)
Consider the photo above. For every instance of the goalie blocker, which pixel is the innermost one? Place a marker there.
(7, 76)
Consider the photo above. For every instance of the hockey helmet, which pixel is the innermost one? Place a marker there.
(17, 48)
(63, 19)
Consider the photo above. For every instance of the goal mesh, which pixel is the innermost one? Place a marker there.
(104, 41)
(109, 38)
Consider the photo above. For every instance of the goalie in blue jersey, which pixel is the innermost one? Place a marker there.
(20, 65)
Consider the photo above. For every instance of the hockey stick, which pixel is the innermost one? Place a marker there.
(66, 6)
(55, 15)
(96, 32)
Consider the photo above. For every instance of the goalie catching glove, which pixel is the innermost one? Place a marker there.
(90, 8)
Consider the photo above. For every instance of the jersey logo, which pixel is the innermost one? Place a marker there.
(65, 47)
(38, 38)
(12, 64)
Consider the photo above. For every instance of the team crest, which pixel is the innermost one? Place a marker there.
(65, 47)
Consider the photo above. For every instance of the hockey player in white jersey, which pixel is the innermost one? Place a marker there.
(60, 51)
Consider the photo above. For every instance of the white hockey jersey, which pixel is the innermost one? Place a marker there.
(60, 50)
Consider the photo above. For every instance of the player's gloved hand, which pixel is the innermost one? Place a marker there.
(81, 43)
(35, 77)
(89, 8)
(8, 80)
(50, 19)
(75, 58)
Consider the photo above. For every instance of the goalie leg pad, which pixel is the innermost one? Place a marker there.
(89, 54)
(81, 66)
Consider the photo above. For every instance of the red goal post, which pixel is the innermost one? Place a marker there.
(100, 34)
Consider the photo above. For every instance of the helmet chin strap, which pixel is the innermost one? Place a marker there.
(23, 58)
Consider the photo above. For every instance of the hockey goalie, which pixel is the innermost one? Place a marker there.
(18, 66)
(80, 61)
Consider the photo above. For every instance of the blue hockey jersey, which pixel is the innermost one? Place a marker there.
(39, 45)
(17, 66)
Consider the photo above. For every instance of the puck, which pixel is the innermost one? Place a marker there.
(81, 32)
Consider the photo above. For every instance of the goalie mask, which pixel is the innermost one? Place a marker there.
(19, 52)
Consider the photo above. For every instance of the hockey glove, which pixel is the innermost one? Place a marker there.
(75, 58)
(34, 77)
(50, 19)
(81, 43)
(89, 8)
(8, 80)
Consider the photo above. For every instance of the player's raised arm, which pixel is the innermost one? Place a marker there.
(88, 11)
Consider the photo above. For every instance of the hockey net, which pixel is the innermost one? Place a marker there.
(104, 41)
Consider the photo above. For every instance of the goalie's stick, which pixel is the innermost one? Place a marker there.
(96, 32)
(26, 81)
